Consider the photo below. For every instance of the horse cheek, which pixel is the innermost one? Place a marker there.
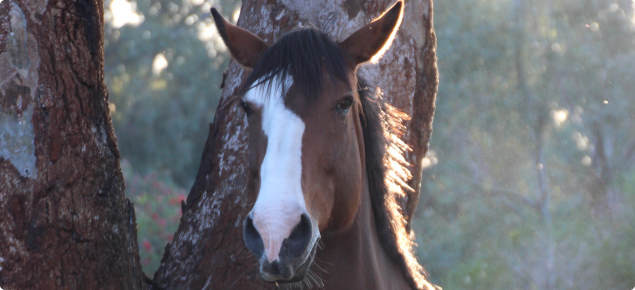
(348, 183)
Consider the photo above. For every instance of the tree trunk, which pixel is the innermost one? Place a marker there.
(208, 250)
(64, 220)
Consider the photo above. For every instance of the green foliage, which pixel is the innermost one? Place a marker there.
(161, 117)
(505, 65)
(617, 253)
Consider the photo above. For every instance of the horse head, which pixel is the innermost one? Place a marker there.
(306, 144)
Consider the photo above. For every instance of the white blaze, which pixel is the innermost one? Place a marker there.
(280, 201)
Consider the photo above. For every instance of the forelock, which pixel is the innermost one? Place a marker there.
(303, 54)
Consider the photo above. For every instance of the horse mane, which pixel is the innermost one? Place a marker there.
(388, 172)
(305, 53)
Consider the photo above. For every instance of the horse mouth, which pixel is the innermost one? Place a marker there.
(299, 272)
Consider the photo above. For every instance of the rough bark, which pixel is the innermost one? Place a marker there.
(208, 251)
(64, 220)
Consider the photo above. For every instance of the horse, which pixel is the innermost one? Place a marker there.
(326, 160)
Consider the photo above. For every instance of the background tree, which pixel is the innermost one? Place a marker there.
(531, 179)
(65, 222)
(208, 250)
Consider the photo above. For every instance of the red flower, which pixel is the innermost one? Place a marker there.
(147, 245)
(162, 223)
(155, 216)
(178, 199)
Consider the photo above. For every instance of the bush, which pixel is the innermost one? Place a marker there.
(157, 201)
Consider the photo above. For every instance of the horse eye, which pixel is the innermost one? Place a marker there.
(246, 108)
(345, 105)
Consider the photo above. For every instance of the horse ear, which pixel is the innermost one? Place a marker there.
(371, 41)
(245, 47)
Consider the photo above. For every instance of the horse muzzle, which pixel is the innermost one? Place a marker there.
(295, 256)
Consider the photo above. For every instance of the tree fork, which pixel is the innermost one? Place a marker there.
(208, 250)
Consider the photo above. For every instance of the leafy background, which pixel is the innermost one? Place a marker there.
(530, 180)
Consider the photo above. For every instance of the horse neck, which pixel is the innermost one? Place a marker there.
(355, 258)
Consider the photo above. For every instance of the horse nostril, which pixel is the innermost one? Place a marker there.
(296, 244)
(252, 238)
